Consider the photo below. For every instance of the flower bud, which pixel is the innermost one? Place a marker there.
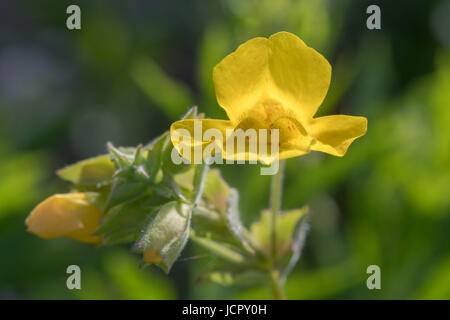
(68, 215)
(166, 236)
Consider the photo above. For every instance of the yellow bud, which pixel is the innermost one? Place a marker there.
(67, 215)
(152, 256)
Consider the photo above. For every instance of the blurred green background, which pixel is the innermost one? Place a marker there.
(136, 66)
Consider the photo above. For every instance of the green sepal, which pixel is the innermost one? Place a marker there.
(126, 222)
(154, 157)
(185, 180)
(224, 251)
(138, 170)
(121, 157)
(297, 243)
(286, 225)
(179, 193)
(98, 199)
(235, 225)
(203, 215)
(216, 191)
(127, 187)
(210, 224)
(199, 181)
(167, 233)
(167, 162)
(91, 171)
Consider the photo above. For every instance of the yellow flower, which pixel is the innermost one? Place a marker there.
(65, 215)
(276, 83)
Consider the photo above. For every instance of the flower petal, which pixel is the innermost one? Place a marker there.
(301, 75)
(188, 136)
(296, 145)
(65, 215)
(334, 134)
(241, 77)
(286, 151)
(281, 69)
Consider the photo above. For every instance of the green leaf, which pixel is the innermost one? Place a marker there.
(167, 233)
(226, 227)
(98, 199)
(235, 224)
(138, 170)
(286, 225)
(127, 188)
(210, 224)
(185, 180)
(216, 191)
(297, 243)
(170, 182)
(167, 162)
(89, 172)
(207, 215)
(221, 250)
(153, 162)
(122, 158)
(126, 222)
(199, 181)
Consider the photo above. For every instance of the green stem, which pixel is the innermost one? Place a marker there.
(277, 287)
(276, 192)
(275, 204)
(199, 181)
